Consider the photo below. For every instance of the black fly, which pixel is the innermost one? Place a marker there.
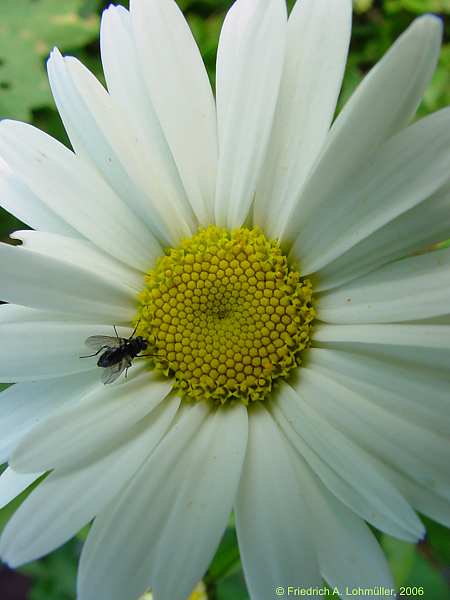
(116, 353)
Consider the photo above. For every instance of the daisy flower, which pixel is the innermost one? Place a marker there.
(274, 263)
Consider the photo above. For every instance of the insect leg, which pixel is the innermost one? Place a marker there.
(95, 353)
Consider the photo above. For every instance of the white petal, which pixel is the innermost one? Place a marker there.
(421, 454)
(12, 484)
(271, 517)
(181, 94)
(75, 192)
(425, 336)
(410, 289)
(183, 494)
(19, 200)
(77, 434)
(127, 88)
(65, 502)
(99, 134)
(402, 173)
(419, 496)
(403, 235)
(14, 313)
(38, 350)
(427, 362)
(83, 254)
(391, 384)
(383, 104)
(249, 66)
(349, 554)
(25, 405)
(317, 44)
(343, 467)
(33, 279)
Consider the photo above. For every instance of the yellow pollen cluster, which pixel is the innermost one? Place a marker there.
(225, 315)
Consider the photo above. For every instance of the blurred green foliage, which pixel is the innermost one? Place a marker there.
(423, 566)
(28, 30)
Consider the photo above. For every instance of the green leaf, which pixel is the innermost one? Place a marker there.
(401, 557)
(224, 578)
(425, 575)
(8, 224)
(231, 588)
(7, 512)
(55, 575)
(83, 533)
(438, 541)
(28, 31)
(415, 567)
(226, 559)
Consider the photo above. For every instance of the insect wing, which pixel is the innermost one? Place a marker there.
(110, 374)
(96, 342)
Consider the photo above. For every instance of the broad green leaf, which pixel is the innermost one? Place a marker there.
(438, 540)
(401, 556)
(7, 511)
(416, 569)
(226, 559)
(8, 224)
(28, 31)
(427, 576)
(231, 588)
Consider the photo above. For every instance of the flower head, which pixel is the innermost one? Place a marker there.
(269, 263)
(226, 316)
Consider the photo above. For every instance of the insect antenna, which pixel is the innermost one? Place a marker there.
(135, 329)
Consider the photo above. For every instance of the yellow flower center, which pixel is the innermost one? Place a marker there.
(225, 315)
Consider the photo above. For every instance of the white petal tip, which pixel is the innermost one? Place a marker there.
(431, 22)
(108, 12)
(421, 532)
(115, 9)
(55, 57)
(412, 535)
(4, 553)
(11, 561)
(55, 53)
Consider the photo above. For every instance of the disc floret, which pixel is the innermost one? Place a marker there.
(225, 315)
